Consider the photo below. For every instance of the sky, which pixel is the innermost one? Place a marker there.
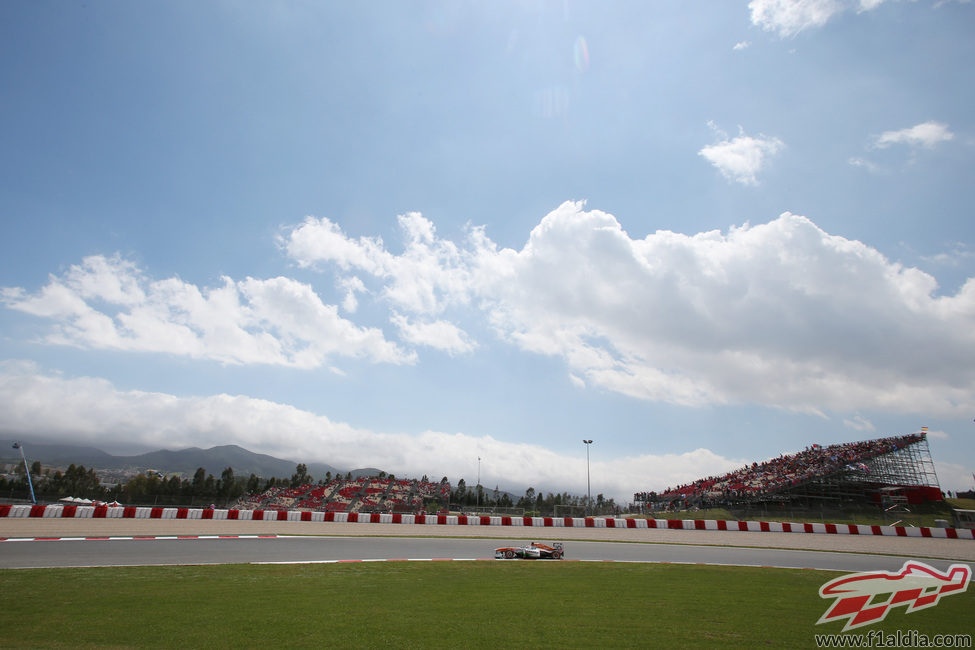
(459, 238)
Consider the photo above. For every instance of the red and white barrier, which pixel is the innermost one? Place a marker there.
(142, 512)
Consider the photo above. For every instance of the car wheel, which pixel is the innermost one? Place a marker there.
(556, 555)
(509, 554)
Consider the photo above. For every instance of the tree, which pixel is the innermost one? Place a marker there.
(199, 481)
(460, 492)
(173, 487)
(300, 477)
(227, 481)
(253, 484)
(528, 501)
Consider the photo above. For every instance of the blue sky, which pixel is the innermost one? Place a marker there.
(412, 235)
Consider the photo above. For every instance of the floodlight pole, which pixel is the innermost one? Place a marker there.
(478, 489)
(30, 483)
(588, 488)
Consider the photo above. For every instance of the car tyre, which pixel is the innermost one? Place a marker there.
(556, 555)
(509, 554)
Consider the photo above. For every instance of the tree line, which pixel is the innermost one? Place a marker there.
(147, 488)
(533, 503)
(150, 488)
(153, 488)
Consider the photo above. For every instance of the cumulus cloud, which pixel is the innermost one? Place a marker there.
(789, 17)
(740, 159)
(926, 134)
(429, 275)
(442, 335)
(107, 303)
(87, 410)
(780, 314)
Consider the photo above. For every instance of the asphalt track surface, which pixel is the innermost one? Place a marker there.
(194, 543)
(195, 551)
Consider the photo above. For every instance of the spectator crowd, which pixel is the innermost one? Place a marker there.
(364, 494)
(786, 471)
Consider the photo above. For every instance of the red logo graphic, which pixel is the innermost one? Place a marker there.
(916, 585)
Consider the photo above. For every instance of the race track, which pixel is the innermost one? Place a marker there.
(208, 550)
(161, 544)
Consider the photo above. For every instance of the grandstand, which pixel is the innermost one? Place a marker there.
(883, 471)
(364, 494)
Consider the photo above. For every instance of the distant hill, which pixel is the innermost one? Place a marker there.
(183, 461)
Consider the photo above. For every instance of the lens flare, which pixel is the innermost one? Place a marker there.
(580, 53)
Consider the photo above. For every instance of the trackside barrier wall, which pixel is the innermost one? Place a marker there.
(143, 512)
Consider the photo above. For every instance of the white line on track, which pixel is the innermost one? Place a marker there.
(474, 559)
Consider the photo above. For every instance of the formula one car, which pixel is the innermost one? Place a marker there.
(533, 551)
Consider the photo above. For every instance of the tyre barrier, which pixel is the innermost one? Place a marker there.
(146, 512)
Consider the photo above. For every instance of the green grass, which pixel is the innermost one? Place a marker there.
(432, 605)
(962, 504)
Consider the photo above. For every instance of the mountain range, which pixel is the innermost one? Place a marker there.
(183, 461)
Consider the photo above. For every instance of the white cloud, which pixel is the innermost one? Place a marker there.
(869, 5)
(926, 134)
(779, 314)
(954, 477)
(859, 423)
(740, 159)
(107, 303)
(430, 274)
(741, 45)
(789, 17)
(863, 163)
(91, 411)
(352, 286)
(440, 334)
(959, 253)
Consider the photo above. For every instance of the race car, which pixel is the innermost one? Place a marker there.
(533, 551)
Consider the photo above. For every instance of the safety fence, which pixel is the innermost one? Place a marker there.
(140, 512)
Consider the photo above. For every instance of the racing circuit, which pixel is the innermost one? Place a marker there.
(50, 542)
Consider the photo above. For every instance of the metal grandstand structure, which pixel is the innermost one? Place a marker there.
(887, 471)
(905, 474)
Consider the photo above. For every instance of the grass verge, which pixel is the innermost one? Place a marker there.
(432, 605)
